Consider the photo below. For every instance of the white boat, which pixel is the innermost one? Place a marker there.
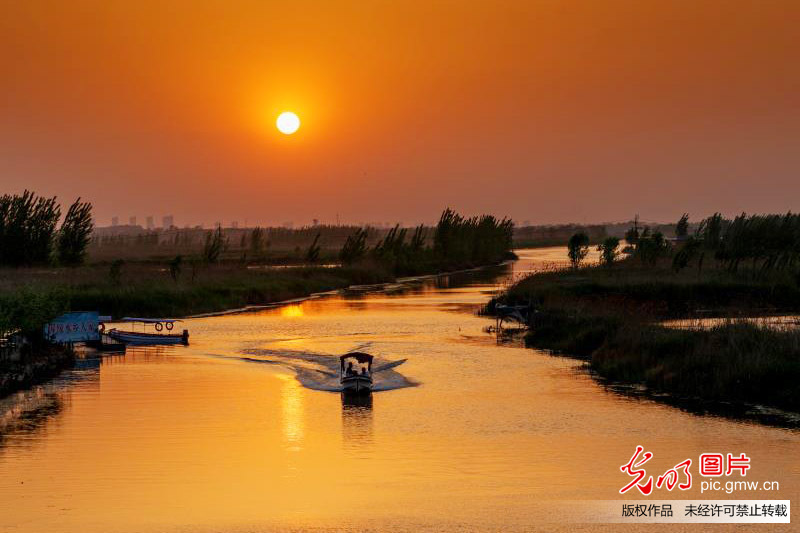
(145, 337)
(356, 372)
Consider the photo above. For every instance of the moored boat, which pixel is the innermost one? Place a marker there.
(356, 372)
(145, 337)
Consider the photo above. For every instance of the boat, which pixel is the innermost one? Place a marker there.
(356, 372)
(507, 315)
(145, 337)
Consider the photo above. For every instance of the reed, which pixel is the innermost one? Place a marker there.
(145, 289)
(610, 316)
(735, 361)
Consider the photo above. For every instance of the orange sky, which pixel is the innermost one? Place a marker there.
(546, 111)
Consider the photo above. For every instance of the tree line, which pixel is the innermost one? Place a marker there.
(761, 242)
(457, 241)
(30, 235)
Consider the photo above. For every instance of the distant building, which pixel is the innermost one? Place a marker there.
(115, 221)
(234, 224)
(167, 221)
(132, 221)
(315, 222)
(149, 222)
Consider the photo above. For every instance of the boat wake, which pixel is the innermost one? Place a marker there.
(321, 372)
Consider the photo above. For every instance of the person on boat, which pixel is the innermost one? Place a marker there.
(349, 370)
(364, 371)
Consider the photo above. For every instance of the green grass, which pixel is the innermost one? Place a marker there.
(148, 290)
(29, 297)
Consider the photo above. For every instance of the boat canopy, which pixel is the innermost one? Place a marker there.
(149, 320)
(361, 357)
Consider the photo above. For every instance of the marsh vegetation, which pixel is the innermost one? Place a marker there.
(610, 313)
(210, 279)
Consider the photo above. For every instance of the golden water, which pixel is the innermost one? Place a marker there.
(494, 437)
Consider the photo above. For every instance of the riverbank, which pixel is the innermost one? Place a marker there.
(150, 289)
(611, 318)
(31, 367)
(31, 297)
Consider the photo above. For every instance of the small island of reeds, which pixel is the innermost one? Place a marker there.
(618, 315)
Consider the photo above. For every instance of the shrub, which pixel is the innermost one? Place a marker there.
(608, 250)
(577, 248)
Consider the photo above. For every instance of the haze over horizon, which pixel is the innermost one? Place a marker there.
(545, 111)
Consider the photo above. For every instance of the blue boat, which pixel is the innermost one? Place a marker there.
(162, 333)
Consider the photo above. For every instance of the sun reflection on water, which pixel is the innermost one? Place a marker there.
(292, 311)
(357, 423)
(292, 412)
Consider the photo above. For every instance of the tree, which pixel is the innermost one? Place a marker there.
(27, 227)
(632, 235)
(710, 231)
(75, 234)
(418, 239)
(115, 271)
(577, 248)
(215, 242)
(685, 254)
(651, 247)
(481, 239)
(312, 255)
(682, 227)
(354, 247)
(392, 245)
(175, 268)
(608, 250)
(256, 241)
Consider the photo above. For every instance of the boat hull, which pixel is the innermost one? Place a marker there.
(137, 338)
(357, 384)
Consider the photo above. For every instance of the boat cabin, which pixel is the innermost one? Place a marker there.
(356, 372)
(356, 363)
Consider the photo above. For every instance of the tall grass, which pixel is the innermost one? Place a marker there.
(730, 362)
(610, 315)
(29, 298)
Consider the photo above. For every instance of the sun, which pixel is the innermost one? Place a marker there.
(287, 122)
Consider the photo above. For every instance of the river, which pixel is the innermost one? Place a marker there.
(237, 433)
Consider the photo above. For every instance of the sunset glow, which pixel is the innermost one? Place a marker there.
(562, 102)
(300, 266)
